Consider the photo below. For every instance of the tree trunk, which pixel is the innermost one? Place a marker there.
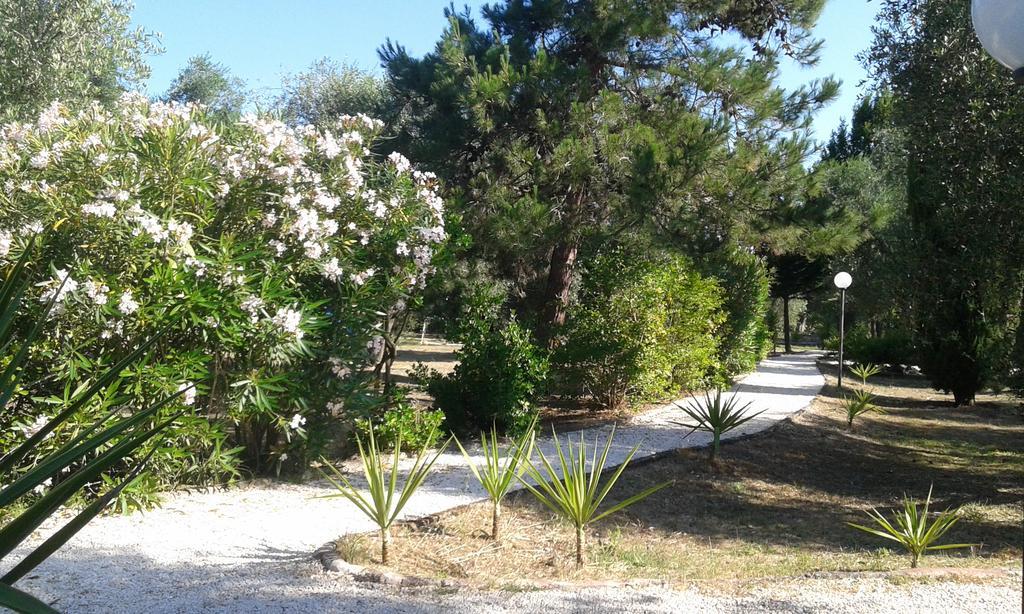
(963, 396)
(580, 544)
(914, 559)
(385, 544)
(556, 294)
(785, 325)
(496, 521)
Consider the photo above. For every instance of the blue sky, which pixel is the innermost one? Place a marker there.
(260, 40)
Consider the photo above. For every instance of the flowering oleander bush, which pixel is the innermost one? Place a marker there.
(265, 253)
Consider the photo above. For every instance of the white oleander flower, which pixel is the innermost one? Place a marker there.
(361, 278)
(91, 141)
(253, 305)
(100, 208)
(298, 421)
(332, 270)
(289, 321)
(96, 291)
(127, 305)
(37, 425)
(402, 164)
(58, 287)
(5, 244)
(41, 160)
(189, 396)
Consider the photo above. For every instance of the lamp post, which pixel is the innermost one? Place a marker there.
(842, 281)
(999, 25)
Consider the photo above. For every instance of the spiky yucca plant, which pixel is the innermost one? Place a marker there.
(910, 528)
(500, 468)
(864, 371)
(717, 417)
(573, 491)
(860, 403)
(94, 451)
(382, 507)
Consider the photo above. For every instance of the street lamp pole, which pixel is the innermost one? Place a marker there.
(842, 281)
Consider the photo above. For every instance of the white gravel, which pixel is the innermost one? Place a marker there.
(247, 549)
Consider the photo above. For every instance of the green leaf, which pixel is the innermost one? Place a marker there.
(20, 601)
(76, 524)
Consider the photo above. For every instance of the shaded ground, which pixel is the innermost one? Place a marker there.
(777, 508)
(435, 354)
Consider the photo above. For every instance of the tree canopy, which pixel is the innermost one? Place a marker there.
(73, 51)
(560, 123)
(210, 83)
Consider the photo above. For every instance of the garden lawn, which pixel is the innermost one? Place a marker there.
(777, 507)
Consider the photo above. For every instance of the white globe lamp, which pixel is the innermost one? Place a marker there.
(999, 25)
(842, 280)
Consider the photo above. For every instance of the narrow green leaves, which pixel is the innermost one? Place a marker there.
(717, 416)
(574, 491)
(20, 601)
(864, 371)
(379, 503)
(860, 403)
(911, 529)
(500, 467)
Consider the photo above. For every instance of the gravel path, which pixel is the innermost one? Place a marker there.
(247, 549)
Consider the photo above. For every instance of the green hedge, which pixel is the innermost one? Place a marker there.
(892, 348)
(745, 336)
(642, 326)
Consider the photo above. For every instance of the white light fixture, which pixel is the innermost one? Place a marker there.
(843, 280)
(999, 25)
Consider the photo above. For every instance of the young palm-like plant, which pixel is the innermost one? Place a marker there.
(94, 451)
(500, 468)
(575, 494)
(865, 371)
(382, 506)
(910, 528)
(717, 417)
(860, 403)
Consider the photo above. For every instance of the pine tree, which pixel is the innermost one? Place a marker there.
(562, 123)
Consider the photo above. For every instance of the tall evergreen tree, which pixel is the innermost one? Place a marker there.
(568, 121)
(963, 122)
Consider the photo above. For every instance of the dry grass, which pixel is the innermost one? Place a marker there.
(777, 507)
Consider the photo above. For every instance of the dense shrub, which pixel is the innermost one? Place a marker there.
(265, 254)
(892, 348)
(641, 327)
(499, 375)
(745, 337)
(417, 428)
